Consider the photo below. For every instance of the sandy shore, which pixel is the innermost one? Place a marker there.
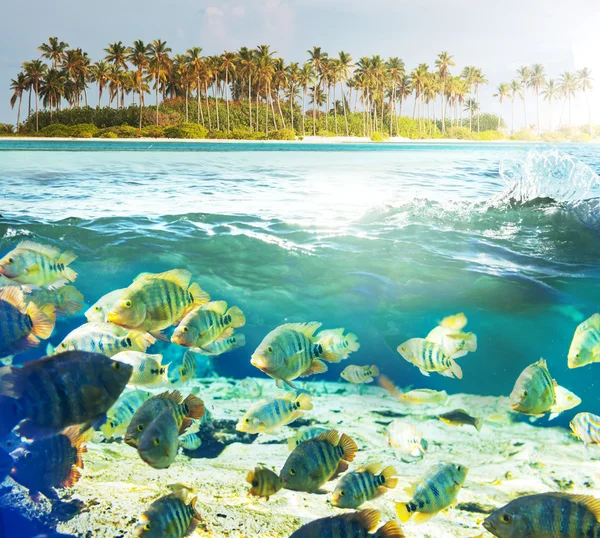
(506, 459)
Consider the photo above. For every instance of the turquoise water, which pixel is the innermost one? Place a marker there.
(383, 240)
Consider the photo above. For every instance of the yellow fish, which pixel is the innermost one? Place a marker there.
(67, 301)
(263, 482)
(360, 374)
(120, 414)
(38, 265)
(171, 516)
(585, 347)
(424, 396)
(534, 390)
(224, 346)
(187, 370)
(148, 370)
(340, 343)
(429, 357)
(98, 312)
(270, 414)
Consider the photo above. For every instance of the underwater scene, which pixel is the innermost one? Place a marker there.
(277, 340)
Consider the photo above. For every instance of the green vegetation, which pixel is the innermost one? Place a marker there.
(252, 94)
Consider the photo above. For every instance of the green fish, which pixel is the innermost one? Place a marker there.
(120, 414)
(263, 482)
(362, 485)
(585, 346)
(159, 442)
(534, 391)
(224, 346)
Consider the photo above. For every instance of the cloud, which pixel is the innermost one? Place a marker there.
(215, 23)
(213, 11)
(238, 11)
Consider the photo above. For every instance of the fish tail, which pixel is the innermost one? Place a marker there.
(196, 515)
(165, 372)
(374, 371)
(73, 433)
(390, 530)
(455, 369)
(402, 512)
(478, 423)
(69, 274)
(304, 402)
(43, 319)
(237, 317)
(72, 301)
(200, 296)
(250, 476)
(140, 341)
(352, 343)
(195, 406)
(470, 342)
(349, 447)
(391, 481)
(67, 257)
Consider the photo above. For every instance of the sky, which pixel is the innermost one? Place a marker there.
(497, 36)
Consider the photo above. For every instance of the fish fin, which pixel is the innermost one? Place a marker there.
(341, 469)
(421, 517)
(237, 317)
(352, 341)
(67, 257)
(373, 468)
(402, 512)
(72, 301)
(456, 355)
(304, 401)
(195, 406)
(593, 320)
(289, 384)
(46, 250)
(140, 340)
(542, 363)
(72, 479)
(291, 443)
(478, 424)
(330, 355)
(181, 277)
(374, 371)
(174, 395)
(368, 519)
(456, 369)
(43, 319)
(200, 296)
(219, 307)
(69, 274)
(225, 334)
(14, 296)
(185, 424)
(164, 372)
(29, 430)
(390, 530)
(143, 275)
(424, 372)
(379, 492)
(589, 502)
(391, 481)
(196, 513)
(279, 383)
(553, 416)
(349, 447)
(456, 322)
(316, 367)
(331, 436)
(307, 329)
(410, 490)
(77, 440)
(158, 335)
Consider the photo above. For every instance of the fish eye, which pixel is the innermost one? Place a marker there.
(233, 340)
(147, 527)
(247, 420)
(140, 428)
(459, 468)
(112, 424)
(525, 394)
(293, 472)
(156, 441)
(269, 349)
(505, 518)
(341, 493)
(27, 455)
(10, 260)
(255, 483)
(184, 329)
(128, 304)
(116, 366)
(97, 309)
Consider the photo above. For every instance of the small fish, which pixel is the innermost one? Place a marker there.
(67, 301)
(586, 426)
(171, 516)
(52, 393)
(456, 322)
(21, 325)
(159, 442)
(98, 312)
(366, 483)
(148, 370)
(156, 301)
(304, 434)
(120, 414)
(224, 346)
(187, 370)
(316, 461)
(106, 338)
(547, 515)
(565, 400)
(355, 525)
(459, 417)
(429, 357)
(406, 439)
(291, 351)
(533, 393)
(437, 490)
(424, 396)
(263, 482)
(49, 463)
(360, 374)
(190, 442)
(270, 414)
(585, 347)
(339, 343)
(455, 344)
(207, 324)
(38, 265)
(183, 412)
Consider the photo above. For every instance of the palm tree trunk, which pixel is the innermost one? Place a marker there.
(316, 92)
(270, 99)
(99, 95)
(198, 107)
(187, 108)
(478, 110)
(280, 111)
(512, 127)
(141, 108)
(207, 105)
(499, 115)
(250, 100)
(335, 108)
(327, 108)
(29, 109)
(292, 105)
(344, 105)
(227, 97)
(303, 110)
(550, 115)
(525, 105)
(415, 107)
(267, 116)
(257, 98)
(216, 103)
(19, 112)
(156, 95)
(37, 123)
(570, 122)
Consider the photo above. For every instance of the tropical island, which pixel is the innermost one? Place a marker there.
(251, 94)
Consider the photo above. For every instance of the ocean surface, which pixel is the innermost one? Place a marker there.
(383, 240)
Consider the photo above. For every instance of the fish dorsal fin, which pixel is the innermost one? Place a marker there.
(174, 395)
(14, 296)
(181, 277)
(390, 530)
(250, 476)
(589, 502)
(331, 436)
(590, 322)
(373, 468)
(307, 329)
(289, 396)
(220, 307)
(46, 250)
(368, 519)
(142, 276)
(542, 363)
(410, 490)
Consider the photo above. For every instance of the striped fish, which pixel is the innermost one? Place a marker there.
(436, 491)
(190, 442)
(224, 346)
(547, 515)
(429, 357)
(407, 441)
(263, 482)
(208, 323)
(38, 265)
(304, 434)
(183, 412)
(365, 484)
(316, 461)
(533, 393)
(586, 426)
(291, 351)
(120, 414)
(339, 343)
(98, 312)
(156, 301)
(106, 338)
(455, 344)
(49, 463)
(52, 393)
(67, 301)
(356, 525)
(22, 325)
(159, 442)
(187, 370)
(585, 347)
(148, 370)
(171, 516)
(360, 374)
(270, 414)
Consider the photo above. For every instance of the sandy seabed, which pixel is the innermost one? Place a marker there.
(508, 458)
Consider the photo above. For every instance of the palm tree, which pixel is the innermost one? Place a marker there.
(523, 75)
(196, 63)
(479, 79)
(503, 92)
(35, 70)
(137, 55)
(568, 87)
(116, 53)
(443, 63)
(18, 86)
(345, 64)
(228, 65)
(100, 75)
(54, 50)
(536, 81)
(158, 63)
(293, 75)
(246, 62)
(471, 106)
(584, 78)
(317, 60)
(469, 75)
(52, 88)
(306, 77)
(395, 71)
(265, 70)
(551, 92)
(182, 77)
(516, 88)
